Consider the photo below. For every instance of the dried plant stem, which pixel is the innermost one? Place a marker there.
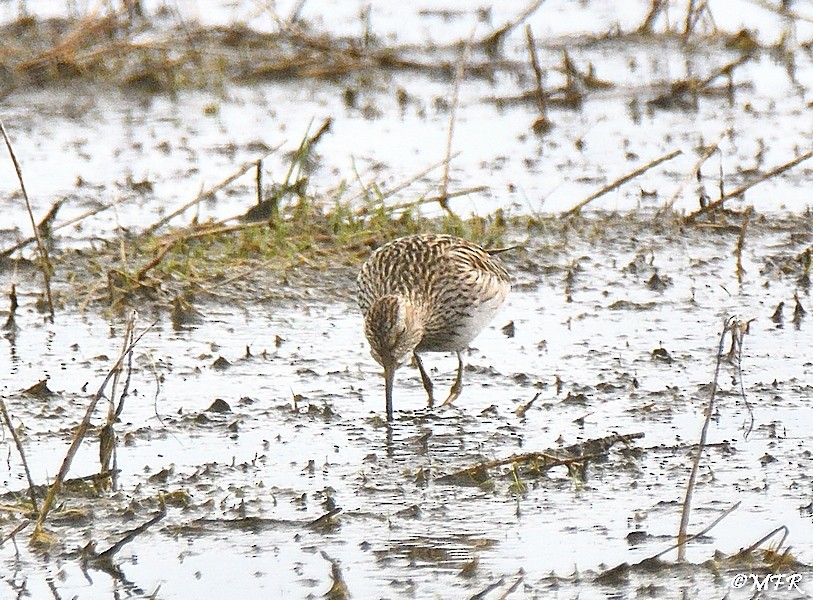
(217, 229)
(432, 199)
(77, 219)
(746, 218)
(542, 124)
(621, 181)
(707, 153)
(494, 38)
(45, 262)
(14, 532)
(701, 445)
(398, 188)
(655, 9)
(18, 443)
(705, 530)
(741, 190)
(81, 431)
(443, 198)
(208, 192)
(128, 537)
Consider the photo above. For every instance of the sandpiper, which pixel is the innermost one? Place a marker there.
(427, 293)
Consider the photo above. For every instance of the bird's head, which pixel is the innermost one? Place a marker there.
(394, 328)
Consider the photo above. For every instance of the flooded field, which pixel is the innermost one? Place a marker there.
(243, 450)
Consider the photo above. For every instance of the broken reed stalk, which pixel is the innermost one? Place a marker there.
(190, 235)
(433, 199)
(83, 427)
(542, 124)
(45, 261)
(741, 190)
(782, 528)
(107, 555)
(447, 161)
(746, 218)
(77, 219)
(14, 531)
(259, 181)
(107, 434)
(364, 210)
(493, 39)
(31, 488)
(687, 501)
(708, 152)
(654, 10)
(207, 193)
(692, 16)
(620, 181)
(703, 531)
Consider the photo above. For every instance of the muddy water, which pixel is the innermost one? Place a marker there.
(245, 486)
(303, 436)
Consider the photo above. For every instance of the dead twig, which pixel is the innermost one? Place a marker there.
(544, 461)
(216, 229)
(14, 531)
(708, 152)
(31, 487)
(364, 210)
(654, 11)
(208, 192)
(492, 42)
(682, 537)
(23, 243)
(45, 262)
(81, 431)
(746, 218)
(542, 124)
(782, 528)
(11, 321)
(447, 162)
(742, 189)
(620, 181)
(105, 557)
(703, 531)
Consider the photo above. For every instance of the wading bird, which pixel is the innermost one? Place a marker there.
(427, 293)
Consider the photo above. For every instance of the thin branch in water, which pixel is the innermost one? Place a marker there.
(81, 431)
(620, 181)
(204, 194)
(31, 487)
(542, 124)
(492, 42)
(705, 530)
(14, 532)
(77, 219)
(45, 261)
(107, 555)
(708, 151)
(687, 501)
(741, 190)
(459, 72)
(746, 218)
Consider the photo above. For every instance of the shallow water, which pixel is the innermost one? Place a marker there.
(257, 476)
(304, 433)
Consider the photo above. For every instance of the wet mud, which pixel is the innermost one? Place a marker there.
(653, 183)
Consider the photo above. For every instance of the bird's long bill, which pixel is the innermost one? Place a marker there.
(389, 376)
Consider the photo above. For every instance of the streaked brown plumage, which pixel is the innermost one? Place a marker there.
(427, 293)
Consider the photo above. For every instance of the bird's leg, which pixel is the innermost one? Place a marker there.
(458, 383)
(427, 383)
